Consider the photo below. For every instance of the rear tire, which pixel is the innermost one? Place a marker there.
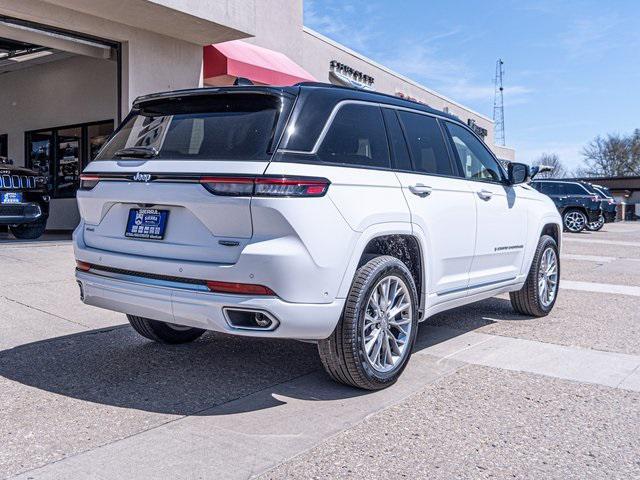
(163, 332)
(529, 300)
(361, 351)
(29, 231)
(574, 220)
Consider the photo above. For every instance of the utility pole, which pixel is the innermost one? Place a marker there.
(498, 105)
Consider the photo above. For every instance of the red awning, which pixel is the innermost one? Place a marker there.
(224, 62)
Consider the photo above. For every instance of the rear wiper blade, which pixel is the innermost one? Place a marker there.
(136, 152)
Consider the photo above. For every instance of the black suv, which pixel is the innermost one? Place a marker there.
(608, 205)
(24, 202)
(577, 204)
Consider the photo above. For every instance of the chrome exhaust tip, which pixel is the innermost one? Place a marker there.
(250, 319)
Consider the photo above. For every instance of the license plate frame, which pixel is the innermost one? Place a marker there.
(146, 224)
(10, 198)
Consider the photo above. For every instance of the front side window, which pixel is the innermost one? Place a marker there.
(206, 127)
(356, 136)
(477, 163)
(428, 150)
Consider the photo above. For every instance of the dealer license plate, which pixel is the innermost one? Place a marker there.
(146, 223)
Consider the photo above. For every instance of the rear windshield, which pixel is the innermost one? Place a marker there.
(239, 126)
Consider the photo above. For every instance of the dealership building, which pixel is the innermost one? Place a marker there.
(70, 70)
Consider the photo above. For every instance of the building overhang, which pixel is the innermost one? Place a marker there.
(196, 22)
(224, 62)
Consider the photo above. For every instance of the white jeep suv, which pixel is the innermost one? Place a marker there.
(312, 212)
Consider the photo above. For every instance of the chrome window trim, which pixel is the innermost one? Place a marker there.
(336, 108)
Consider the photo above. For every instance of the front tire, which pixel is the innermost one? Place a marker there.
(163, 332)
(597, 225)
(574, 220)
(540, 291)
(29, 231)
(373, 340)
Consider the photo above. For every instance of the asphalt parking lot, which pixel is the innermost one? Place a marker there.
(488, 393)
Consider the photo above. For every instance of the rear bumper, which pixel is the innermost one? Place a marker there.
(202, 309)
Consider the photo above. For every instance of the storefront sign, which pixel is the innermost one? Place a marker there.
(350, 77)
(481, 132)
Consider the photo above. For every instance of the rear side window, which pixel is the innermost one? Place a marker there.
(356, 137)
(426, 143)
(204, 127)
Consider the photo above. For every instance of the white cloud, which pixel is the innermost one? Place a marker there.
(332, 19)
(450, 76)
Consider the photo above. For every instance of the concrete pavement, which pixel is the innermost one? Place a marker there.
(488, 393)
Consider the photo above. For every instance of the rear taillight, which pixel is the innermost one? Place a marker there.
(266, 186)
(87, 182)
(233, 186)
(291, 187)
(239, 288)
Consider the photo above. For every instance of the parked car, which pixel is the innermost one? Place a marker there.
(313, 212)
(608, 204)
(576, 203)
(24, 202)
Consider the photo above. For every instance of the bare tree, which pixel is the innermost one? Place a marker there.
(551, 160)
(613, 156)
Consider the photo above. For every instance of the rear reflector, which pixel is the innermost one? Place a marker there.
(83, 266)
(239, 288)
(266, 186)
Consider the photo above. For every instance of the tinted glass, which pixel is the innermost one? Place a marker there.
(546, 188)
(573, 189)
(356, 137)
(208, 127)
(477, 163)
(400, 153)
(428, 150)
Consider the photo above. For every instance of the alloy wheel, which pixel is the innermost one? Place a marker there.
(548, 277)
(597, 224)
(574, 221)
(387, 324)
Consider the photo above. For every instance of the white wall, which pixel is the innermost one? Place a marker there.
(65, 92)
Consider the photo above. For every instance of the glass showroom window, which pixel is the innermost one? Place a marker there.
(60, 154)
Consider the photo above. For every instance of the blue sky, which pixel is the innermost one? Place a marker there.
(572, 67)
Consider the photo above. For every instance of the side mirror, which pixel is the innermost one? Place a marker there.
(518, 173)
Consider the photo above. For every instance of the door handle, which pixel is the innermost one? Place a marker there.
(420, 190)
(485, 194)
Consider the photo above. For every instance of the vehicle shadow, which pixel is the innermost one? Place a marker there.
(117, 367)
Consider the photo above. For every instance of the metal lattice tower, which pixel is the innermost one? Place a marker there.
(498, 104)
